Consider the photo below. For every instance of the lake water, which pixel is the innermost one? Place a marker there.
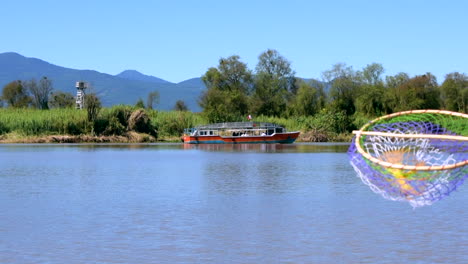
(173, 203)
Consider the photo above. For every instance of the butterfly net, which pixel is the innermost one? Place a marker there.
(415, 156)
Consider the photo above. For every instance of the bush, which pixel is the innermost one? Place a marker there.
(113, 121)
(3, 129)
(140, 121)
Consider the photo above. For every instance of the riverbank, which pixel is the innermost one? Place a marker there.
(127, 124)
(134, 137)
(131, 137)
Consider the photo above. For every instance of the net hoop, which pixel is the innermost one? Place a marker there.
(386, 164)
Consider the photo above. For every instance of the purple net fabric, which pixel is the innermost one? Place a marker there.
(418, 188)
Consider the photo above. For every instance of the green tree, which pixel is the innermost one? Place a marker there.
(309, 99)
(40, 92)
(419, 92)
(454, 92)
(390, 97)
(15, 95)
(213, 108)
(93, 106)
(274, 84)
(61, 99)
(372, 74)
(140, 103)
(228, 87)
(397, 80)
(344, 84)
(370, 98)
(153, 98)
(180, 106)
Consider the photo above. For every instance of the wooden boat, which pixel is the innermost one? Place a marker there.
(238, 133)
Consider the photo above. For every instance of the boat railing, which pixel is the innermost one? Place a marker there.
(239, 125)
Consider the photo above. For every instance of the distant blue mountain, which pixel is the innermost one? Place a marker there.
(138, 76)
(125, 88)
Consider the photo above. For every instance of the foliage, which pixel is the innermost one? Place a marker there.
(309, 100)
(180, 106)
(351, 97)
(140, 103)
(345, 100)
(274, 84)
(139, 121)
(15, 95)
(40, 92)
(172, 124)
(454, 92)
(213, 107)
(371, 99)
(230, 75)
(419, 92)
(390, 97)
(372, 74)
(65, 121)
(278, 68)
(153, 98)
(114, 120)
(93, 106)
(228, 87)
(344, 87)
(35, 122)
(59, 99)
(397, 80)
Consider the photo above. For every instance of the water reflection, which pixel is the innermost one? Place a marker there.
(264, 148)
(175, 203)
(271, 148)
(290, 172)
(247, 176)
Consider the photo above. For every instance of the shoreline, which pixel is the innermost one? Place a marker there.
(130, 137)
(134, 137)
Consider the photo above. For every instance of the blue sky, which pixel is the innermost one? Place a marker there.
(176, 40)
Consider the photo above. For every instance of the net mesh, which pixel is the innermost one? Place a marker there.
(401, 163)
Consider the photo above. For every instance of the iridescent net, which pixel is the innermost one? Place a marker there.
(416, 156)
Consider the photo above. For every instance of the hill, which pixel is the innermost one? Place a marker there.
(138, 76)
(124, 88)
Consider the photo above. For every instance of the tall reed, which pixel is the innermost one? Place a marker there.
(173, 123)
(41, 122)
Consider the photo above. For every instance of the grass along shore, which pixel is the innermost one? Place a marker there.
(128, 124)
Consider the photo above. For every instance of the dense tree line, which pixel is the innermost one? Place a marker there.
(234, 91)
(36, 94)
(342, 99)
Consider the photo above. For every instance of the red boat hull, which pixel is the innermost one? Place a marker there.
(283, 138)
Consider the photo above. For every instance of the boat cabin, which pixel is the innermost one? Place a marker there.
(236, 129)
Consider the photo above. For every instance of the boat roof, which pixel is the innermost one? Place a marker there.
(238, 125)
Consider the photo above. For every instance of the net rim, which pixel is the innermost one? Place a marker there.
(386, 164)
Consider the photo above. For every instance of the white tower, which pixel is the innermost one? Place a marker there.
(80, 94)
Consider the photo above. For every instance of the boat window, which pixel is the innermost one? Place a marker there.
(211, 132)
(279, 130)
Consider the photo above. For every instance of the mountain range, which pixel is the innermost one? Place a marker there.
(124, 88)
